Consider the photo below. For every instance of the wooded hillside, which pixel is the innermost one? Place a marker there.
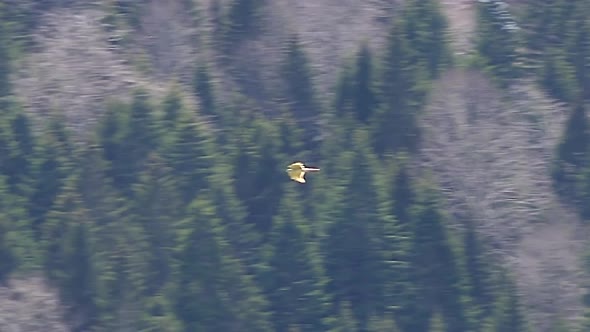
(143, 149)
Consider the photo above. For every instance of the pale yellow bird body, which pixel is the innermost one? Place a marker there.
(297, 171)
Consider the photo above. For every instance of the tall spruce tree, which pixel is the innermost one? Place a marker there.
(8, 260)
(54, 165)
(295, 280)
(395, 123)
(435, 267)
(572, 153)
(5, 48)
(299, 90)
(497, 41)
(213, 292)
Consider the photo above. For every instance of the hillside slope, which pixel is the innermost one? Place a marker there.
(490, 152)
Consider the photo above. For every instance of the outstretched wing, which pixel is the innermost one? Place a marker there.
(296, 166)
(295, 173)
(300, 178)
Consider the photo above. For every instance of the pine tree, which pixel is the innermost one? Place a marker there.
(212, 291)
(497, 41)
(172, 107)
(204, 90)
(435, 267)
(572, 152)
(294, 281)
(437, 323)
(558, 76)
(141, 135)
(361, 248)
(19, 166)
(477, 267)
(355, 90)
(155, 209)
(426, 30)
(578, 47)
(297, 76)
(257, 171)
(345, 321)
(191, 157)
(67, 252)
(343, 102)
(395, 123)
(8, 261)
(55, 164)
(508, 315)
(111, 135)
(242, 20)
(5, 58)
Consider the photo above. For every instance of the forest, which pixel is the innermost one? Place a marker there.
(170, 216)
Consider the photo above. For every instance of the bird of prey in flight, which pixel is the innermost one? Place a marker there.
(297, 171)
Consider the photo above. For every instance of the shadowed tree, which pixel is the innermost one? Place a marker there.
(294, 280)
(8, 261)
(395, 123)
(435, 267)
(497, 41)
(572, 153)
(54, 165)
(242, 20)
(212, 290)
(355, 92)
(5, 61)
(298, 86)
(68, 253)
(204, 90)
(508, 315)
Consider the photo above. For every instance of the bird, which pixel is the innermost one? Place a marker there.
(297, 171)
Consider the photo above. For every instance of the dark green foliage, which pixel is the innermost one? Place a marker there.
(508, 315)
(191, 157)
(572, 157)
(297, 76)
(416, 52)
(19, 164)
(172, 108)
(356, 90)
(182, 219)
(478, 271)
(360, 238)
(156, 208)
(497, 41)
(345, 321)
(67, 251)
(54, 165)
(242, 19)
(557, 76)
(435, 266)
(426, 30)
(203, 89)
(7, 256)
(5, 57)
(212, 292)
(130, 10)
(294, 280)
(558, 38)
